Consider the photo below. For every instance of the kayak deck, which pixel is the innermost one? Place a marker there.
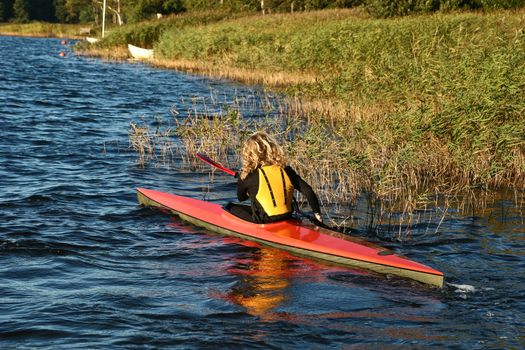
(293, 236)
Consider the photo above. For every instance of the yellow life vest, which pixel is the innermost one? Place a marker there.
(275, 190)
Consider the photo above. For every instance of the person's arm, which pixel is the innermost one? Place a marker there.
(242, 192)
(244, 186)
(303, 187)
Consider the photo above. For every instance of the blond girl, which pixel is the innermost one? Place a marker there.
(269, 183)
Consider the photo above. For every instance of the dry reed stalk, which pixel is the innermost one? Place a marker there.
(118, 53)
(152, 146)
(250, 76)
(141, 142)
(341, 163)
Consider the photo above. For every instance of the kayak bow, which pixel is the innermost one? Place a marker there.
(293, 236)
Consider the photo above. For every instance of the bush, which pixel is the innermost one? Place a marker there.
(390, 8)
(502, 4)
(146, 9)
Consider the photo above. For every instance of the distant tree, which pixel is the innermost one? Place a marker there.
(245, 5)
(113, 7)
(86, 14)
(2, 11)
(78, 11)
(6, 10)
(202, 5)
(505, 4)
(21, 10)
(42, 10)
(145, 9)
(60, 11)
(308, 5)
(172, 6)
(236, 5)
(142, 10)
(388, 8)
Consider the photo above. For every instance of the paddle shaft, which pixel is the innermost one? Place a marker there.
(213, 163)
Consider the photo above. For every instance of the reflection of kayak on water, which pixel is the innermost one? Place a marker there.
(264, 285)
(293, 236)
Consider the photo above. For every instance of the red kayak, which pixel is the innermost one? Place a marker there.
(293, 236)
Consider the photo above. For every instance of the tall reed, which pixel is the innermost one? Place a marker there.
(345, 171)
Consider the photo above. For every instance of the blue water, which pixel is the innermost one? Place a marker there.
(83, 267)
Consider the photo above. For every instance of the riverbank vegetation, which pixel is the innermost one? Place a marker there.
(41, 29)
(405, 109)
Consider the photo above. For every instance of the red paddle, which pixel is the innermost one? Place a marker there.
(211, 162)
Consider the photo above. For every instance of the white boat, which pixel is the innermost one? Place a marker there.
(91, 40)
(139, 53)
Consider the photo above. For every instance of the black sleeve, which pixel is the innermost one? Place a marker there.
(247, 186)
(303, 187)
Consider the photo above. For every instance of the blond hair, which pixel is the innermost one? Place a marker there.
(260, 150)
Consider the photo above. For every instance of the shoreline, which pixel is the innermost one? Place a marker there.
(43, 36)
(37, 29)
(280, 79)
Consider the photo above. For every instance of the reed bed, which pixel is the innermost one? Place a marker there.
(41, 29)
(404, 114)
(116, 53)
(452, 85)
(401, 187)
(249, 76)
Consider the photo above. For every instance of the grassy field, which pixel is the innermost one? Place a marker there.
(402, 109)
(42, 29)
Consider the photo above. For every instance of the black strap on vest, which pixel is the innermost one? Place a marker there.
(284, 185)
(269, 187)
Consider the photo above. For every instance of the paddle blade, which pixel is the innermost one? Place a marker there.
(211, 162)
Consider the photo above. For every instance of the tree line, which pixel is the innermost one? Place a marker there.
(88, 11)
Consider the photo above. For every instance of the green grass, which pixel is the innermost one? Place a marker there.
(146, 34)
(449, 85)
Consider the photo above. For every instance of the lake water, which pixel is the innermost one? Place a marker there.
(83, 267)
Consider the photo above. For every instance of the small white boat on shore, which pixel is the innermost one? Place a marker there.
(91, 40)
(139, 53)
